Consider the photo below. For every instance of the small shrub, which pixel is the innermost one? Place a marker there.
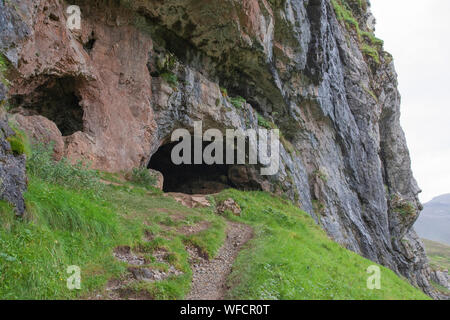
(321, 175)
(224, 92)
(74, 176)
(167, 63)
(17, 146)
(371, 52)
(344, 14)
(262, 122)
(406, 209)
(19, 143)
(170, 78)
(287, 145)
(370, 45)
(142, 177)
(370, 38)
(3, 70)
(238, 102)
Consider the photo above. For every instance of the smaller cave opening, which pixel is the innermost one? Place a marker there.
(89, 45)
(189, 178)
(57, 100)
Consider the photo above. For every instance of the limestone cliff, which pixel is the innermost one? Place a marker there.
(13, 181)
(114, 91)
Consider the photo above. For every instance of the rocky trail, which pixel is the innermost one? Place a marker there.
(210, 276)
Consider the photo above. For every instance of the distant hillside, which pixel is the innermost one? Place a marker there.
(438, 253)
(434, 221)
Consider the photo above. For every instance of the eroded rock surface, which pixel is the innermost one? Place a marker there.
(229, 205)
(139, 71)
(13, 180)
(441, 278)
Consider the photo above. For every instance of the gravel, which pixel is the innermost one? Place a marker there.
(210, 276)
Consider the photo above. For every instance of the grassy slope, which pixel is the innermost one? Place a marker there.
(439, 256)
(292, 258)
(289, 258)
(65, 227)
(438, 253)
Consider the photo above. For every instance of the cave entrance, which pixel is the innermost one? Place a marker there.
(189, 178)
(57, 100)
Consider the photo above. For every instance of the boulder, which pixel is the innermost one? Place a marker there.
(159, 178)
(41, 129)
(13, 180)
(441, 278)
(229, 205)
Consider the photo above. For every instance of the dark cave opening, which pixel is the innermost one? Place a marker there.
(189, 178)
(89, 45)
(204, 178)
(57, 100)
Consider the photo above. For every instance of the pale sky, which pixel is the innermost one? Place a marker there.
(417, 33)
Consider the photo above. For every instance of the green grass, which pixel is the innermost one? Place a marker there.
(19, 142)
(289, 258)
(345, 11)
(405, 209)
(372, 40)
(66, 227)
(67, 223)
(238, 102)
(371, 52)
(63, 228)
(438, 253)
(3, 69)
(170, 78)
(292, 258)
(224, 92)
(76, 176)
(263, 122)
(141, 177)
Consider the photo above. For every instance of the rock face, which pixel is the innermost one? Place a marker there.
(441, 278)
(13, 181)
(42, 129)
(229, 205)
(137, 70)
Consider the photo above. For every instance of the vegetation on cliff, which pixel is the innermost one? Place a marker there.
(3, 69)
(347, 11)
(292, 258)
(75, 218)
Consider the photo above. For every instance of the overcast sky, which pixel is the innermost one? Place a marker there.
(417, 33)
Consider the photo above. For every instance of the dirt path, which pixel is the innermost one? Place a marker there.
(209, 277)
